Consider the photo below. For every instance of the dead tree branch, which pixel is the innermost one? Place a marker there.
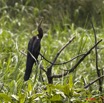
(60, 75)
(62, 62)
(87, 53)
(80, 60)
(96, 60)
(94, 81)
(23, 53)
(58, 53)
(49, 70)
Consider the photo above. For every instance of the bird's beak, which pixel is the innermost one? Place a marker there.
(40, 22)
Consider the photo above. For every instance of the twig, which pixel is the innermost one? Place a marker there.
(33, 57)
(80, 60)
(60, 75)
(96, 60)
(93, 81)
(23, 53)
(58, 53)
(41, 67)
(62, 62)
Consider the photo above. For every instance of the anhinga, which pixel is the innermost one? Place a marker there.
(33, 48)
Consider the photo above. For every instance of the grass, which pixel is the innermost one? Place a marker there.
(15, 33)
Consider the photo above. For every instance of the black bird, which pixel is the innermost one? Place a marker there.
(34, 49)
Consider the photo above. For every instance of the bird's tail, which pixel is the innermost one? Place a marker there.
(29, 64)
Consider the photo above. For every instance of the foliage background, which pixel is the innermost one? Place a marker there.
(62, 20)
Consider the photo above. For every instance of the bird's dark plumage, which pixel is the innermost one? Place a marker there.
(34, 48)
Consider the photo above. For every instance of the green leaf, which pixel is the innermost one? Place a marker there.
(38, 95)
(29, 86)
(56, 98)
(71, 81)
(22, 98)
(5, 97)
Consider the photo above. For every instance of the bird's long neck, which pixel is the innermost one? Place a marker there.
(40, 33)
(40, 36)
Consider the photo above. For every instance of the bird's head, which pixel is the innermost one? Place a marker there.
(40, 31)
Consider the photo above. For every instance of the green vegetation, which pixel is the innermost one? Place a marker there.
(62, 20)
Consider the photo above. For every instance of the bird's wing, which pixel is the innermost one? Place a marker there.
(34, 45)
(34, 48)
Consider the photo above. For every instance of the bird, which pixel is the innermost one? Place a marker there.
(34, 47)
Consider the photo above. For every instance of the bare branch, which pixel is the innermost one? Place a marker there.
(62, 62)
(75, 66)
(23, 53)
(83, 57)
(41, 67)
(80, 60)
(60, 75)
(96, 60)
(93, 81)
(58, 53)
(49, 69)
(33, 57)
